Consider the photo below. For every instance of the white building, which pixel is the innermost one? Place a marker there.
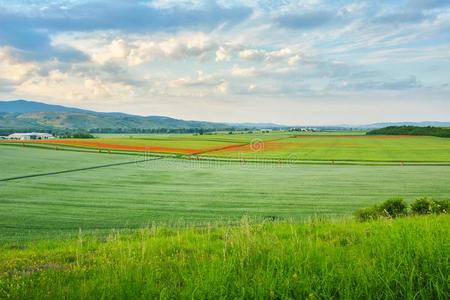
(30, 136)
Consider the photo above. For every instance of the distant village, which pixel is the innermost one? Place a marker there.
(304, 129)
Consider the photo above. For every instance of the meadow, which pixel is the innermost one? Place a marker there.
(170, 191)
(387, 259)
(202, 220)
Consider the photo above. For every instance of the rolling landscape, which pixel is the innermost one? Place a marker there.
(224, 150)
(117, 207)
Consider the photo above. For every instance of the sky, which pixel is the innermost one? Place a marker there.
(311, 62)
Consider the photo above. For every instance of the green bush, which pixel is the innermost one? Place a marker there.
(394, 207)
(397, 207)
(424, 206)
(441, 207)
(368, 214)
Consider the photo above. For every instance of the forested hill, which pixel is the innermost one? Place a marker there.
(412, 130)
(22, 115)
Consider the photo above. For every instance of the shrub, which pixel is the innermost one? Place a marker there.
(368, 214)
(424, 206)
(394, 207)
(441, 207)
(82, 135)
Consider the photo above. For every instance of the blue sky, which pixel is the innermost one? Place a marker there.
(289, 62)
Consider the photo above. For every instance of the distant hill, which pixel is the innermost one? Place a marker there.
(24, 106)
(257, 125)
(22, 114)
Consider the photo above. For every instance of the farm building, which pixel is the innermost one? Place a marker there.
(30, 136)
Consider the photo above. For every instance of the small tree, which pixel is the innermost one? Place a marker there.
(368, 214)
(422, 206)
(394, 207)
(441, 207)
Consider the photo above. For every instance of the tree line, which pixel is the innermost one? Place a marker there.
(412, 130)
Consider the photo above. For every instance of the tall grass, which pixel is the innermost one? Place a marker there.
(402, 258)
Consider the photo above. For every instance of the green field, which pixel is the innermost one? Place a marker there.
(177, 190)
(317, 146)
(236, 137)
(347, 148)
(107, 224)
(168, 142)
(388, 259)
(320, 146)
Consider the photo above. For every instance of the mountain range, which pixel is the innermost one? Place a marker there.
(32, 115)
(23, 114)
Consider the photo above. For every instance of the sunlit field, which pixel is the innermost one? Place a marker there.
(346, 148)
(222, 216)
(390, 259)
(331, 146)
(54, 192)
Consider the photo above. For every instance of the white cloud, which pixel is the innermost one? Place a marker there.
(201, 85)
(14, 69)
(201, 79)
(283, 55)
(222, 54)
(141, 49)
(293, 60)
(223, 87)
(245, 72)
(108, 89)
(252, 54)
(167, 4)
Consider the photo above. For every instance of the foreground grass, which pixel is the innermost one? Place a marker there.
(403, 258)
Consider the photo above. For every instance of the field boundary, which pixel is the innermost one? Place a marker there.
(77, 170)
